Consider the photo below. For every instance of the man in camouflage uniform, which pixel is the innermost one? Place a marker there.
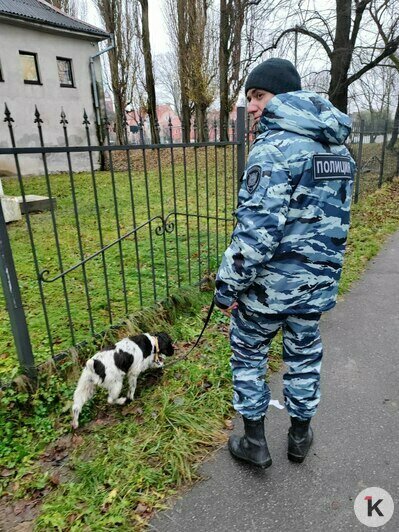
(284, 262)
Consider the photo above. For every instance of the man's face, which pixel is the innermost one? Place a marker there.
(257, 100)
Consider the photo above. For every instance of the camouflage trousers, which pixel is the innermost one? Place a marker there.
(250, 338)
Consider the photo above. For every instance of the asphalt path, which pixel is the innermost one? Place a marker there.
(356, 431)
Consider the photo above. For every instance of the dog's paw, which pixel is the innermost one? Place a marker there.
(121, 401)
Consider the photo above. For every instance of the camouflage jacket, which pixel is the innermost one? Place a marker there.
(286, 251)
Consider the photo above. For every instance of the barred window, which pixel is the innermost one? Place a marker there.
(30, 68)
(65, 72)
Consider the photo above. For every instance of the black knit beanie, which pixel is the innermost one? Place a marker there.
(274, 75)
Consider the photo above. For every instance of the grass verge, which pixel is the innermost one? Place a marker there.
(124, 462)
(372, 221)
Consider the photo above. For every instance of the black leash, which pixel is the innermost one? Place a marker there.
(168, 364)
(208, 317)
(204, 327)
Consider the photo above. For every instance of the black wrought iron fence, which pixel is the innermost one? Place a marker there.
(138, 131)
(377, 162)
(112, 241)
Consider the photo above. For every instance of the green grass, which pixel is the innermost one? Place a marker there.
(371, 162)
(372, 221)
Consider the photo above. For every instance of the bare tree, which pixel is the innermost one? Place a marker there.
(75, 8)
(120, 18)
(235, 15)
(193, 42)
(376, 13)
(201, 67)
(149, 73)
(395, 130)
(343, 34)
(372, 96)
(183, 41)
(64, 5)
(168, 79)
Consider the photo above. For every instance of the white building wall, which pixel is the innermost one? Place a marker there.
(49, 97)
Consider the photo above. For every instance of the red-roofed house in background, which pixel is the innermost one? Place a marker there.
(164, 113)
(170, 125)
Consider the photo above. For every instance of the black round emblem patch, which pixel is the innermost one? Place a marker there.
(253, 178)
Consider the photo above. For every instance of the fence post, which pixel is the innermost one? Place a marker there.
(15, 309)
(384, 145)
(359, 161)
(241, 144)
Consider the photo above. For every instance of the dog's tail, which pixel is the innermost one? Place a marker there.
(84, 391)
(90, 365)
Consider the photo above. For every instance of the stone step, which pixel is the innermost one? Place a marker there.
(36, 203)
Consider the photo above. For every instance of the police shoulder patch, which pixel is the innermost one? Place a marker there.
(253, 177)
(330, 166)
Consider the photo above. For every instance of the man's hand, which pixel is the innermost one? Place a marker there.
(227, 311)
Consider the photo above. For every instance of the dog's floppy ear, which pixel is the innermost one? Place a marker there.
(165, 344)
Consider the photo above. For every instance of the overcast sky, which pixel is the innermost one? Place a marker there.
(158, 35)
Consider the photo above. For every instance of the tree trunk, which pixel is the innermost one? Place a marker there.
(185, 118)
(202, 129)
(119, 116)
(395, 130)
(149, 75)
(185, 101)
(341, 57)
(119, 98)
(223, 69)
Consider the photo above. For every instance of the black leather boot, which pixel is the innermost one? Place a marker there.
(251, 447)
(300, 437)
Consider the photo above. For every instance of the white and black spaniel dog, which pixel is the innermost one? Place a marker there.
(107, 369)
